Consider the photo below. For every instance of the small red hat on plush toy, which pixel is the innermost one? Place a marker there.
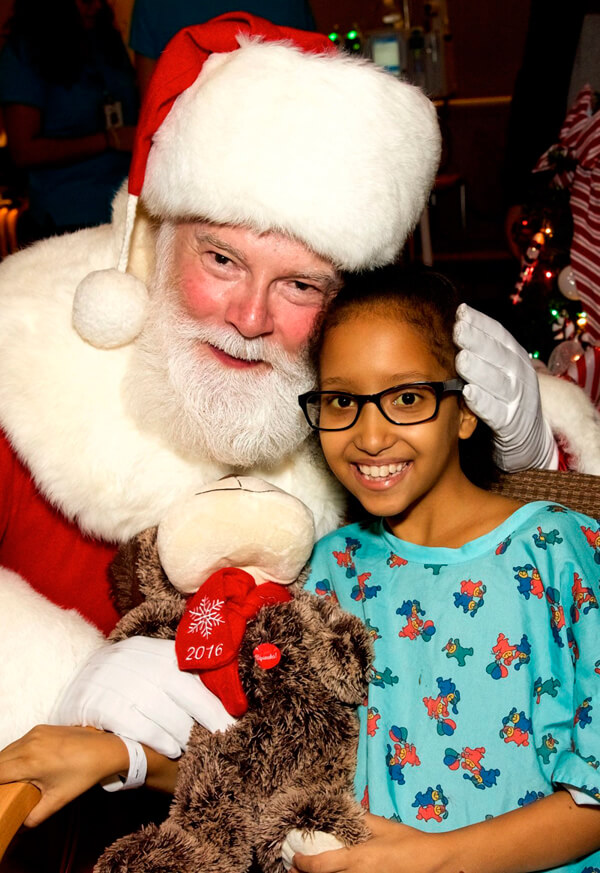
(239, 542)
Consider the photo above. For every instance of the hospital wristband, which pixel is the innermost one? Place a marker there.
(138, 767)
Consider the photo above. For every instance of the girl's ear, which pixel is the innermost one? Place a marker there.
(467, 421)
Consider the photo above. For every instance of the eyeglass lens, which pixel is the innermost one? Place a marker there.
(409, 405)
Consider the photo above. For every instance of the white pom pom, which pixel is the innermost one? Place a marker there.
(109, 308)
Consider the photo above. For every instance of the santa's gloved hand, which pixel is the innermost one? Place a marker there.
(135, 688)
(503, 392)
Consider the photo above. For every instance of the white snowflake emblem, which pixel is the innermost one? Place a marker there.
(206, 616)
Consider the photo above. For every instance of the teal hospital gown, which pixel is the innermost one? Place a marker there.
(485, 693)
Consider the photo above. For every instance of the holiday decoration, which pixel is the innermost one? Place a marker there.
(565, 354)
(567, 283)
(575, 159)
(558, 284)
(528, 264)
(584, 370)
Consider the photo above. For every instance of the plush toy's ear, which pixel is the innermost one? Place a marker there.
(343, 654)
(136, 571)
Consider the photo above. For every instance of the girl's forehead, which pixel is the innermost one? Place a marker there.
(381, 329)
(380, 346)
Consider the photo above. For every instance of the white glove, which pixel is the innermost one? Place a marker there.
(135, 688)
(503, 392)
(308, 844)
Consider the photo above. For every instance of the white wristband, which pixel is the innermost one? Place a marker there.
(138, 766)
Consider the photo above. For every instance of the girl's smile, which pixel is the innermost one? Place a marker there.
(383, 474)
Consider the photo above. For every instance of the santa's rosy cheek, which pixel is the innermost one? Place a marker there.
(294, 326)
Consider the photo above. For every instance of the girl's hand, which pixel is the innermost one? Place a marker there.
(62, 762)
(392, 848)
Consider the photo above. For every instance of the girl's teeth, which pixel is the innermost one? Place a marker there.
(380, 472)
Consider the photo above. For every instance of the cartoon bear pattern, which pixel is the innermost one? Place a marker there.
(486, 679)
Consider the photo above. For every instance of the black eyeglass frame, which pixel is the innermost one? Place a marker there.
(439, 388)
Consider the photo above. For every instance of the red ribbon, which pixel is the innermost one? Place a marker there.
(212, 628)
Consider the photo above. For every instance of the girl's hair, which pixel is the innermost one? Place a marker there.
(427, 301)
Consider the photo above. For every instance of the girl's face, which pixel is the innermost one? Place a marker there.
(391, 469)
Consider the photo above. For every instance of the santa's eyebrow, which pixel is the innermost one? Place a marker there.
(218, 243)
(331, 283)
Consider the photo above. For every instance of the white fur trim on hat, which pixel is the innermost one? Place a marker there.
(330, 149)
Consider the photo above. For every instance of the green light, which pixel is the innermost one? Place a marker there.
(535, 355)
(333, 36)
(352, 34)
(554, 313)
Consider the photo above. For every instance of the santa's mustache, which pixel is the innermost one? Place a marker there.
(246, 349)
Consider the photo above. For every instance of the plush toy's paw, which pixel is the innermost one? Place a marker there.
(153, 849)
(308, 844)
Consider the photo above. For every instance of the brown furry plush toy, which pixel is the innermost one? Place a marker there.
(280, 779)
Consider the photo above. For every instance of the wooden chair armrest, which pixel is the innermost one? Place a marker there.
(17, 799)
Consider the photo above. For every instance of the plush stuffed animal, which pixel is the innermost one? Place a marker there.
(290, 664)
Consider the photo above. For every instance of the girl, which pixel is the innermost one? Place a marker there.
(479, 747)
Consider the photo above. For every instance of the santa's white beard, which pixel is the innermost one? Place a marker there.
(239, 417)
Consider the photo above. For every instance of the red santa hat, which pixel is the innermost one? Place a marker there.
(252, 124)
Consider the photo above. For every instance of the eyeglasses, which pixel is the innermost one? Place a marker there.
(412, 403)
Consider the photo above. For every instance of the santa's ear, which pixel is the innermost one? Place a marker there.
(136, 571)
(342, 654)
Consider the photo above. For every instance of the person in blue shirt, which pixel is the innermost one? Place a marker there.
(479, 741)
(155, 22)
(69, 102)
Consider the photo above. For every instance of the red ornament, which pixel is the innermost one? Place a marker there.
(267, 656)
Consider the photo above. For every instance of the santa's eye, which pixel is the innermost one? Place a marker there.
(221, 259)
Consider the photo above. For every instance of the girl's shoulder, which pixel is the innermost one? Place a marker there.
(550, 528)
(539, 511)
(494, 511)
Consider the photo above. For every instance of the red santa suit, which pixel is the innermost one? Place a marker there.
(41, 545)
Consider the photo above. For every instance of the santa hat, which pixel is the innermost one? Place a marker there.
(248, 123)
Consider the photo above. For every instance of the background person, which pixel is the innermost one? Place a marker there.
(154, 23)
(69, 101)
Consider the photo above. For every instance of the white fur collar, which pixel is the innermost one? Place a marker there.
(573, 419)
(60, 405)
